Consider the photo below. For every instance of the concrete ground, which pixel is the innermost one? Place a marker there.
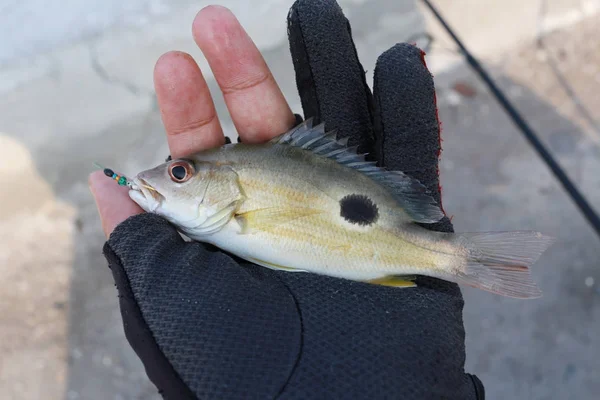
(78, 89)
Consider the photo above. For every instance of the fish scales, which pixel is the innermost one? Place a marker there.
(316, 237)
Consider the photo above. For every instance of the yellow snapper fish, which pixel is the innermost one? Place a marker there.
(305, 202)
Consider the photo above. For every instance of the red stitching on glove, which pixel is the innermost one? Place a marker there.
(437, 118)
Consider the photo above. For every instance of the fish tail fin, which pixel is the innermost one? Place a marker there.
(499, 261)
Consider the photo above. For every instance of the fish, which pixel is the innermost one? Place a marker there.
(306, 202)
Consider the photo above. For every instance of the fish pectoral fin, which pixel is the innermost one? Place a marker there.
(401, 281)
(275, 266)
(265, 219)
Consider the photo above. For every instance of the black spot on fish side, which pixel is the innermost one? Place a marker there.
(358, 209)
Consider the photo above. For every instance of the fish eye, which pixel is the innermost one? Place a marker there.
(181, 171)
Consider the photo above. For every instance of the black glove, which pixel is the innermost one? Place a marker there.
(208, 325)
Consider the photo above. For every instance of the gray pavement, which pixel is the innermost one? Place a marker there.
(69, 97)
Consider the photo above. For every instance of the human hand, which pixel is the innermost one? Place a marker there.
(257, 107)
(208, 325)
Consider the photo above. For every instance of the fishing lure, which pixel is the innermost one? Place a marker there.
(121, 180)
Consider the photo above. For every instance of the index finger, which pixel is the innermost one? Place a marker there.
(186, 105)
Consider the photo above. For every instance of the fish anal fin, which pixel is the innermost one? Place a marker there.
(265, 219)
(400, 281)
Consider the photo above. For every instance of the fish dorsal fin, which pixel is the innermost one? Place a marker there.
(412, 196)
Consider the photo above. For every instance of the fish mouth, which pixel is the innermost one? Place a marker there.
(145, 195)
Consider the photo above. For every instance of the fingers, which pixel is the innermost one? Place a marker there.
(256, 104)
(330, 79)
(112, 201)
(186, 105)
(406, 116)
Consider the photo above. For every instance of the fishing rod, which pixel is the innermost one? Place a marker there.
(581, 202)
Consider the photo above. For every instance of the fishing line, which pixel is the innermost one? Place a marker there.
(530, 135)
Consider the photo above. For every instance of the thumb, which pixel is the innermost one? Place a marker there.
(112, 201)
